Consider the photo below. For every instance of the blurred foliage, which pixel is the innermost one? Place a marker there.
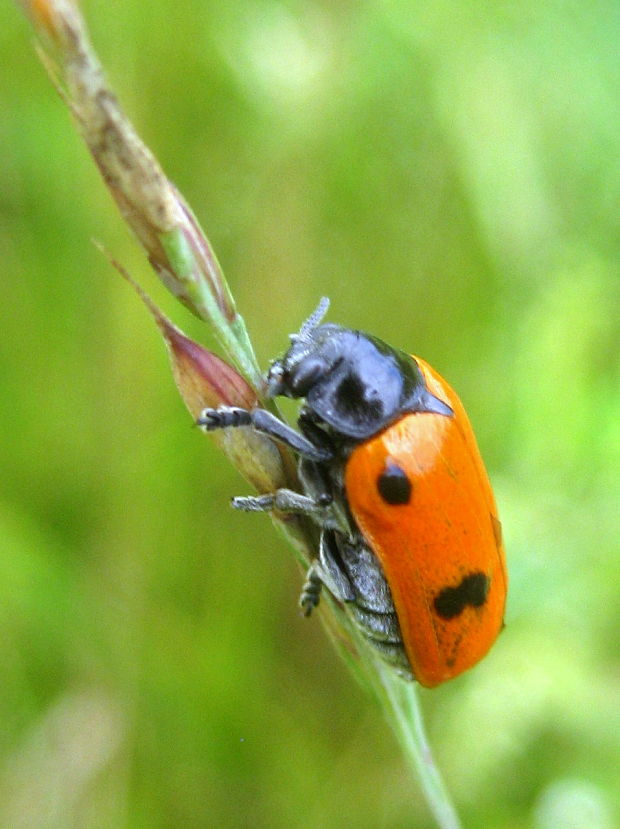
(449, 174)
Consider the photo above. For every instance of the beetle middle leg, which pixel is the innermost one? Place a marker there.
(284, 500)
(315, 499)
(287, 500)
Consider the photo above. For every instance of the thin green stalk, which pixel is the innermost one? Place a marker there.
(400, 703)
(403, 709)
(181, 255)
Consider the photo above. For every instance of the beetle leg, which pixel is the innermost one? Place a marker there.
(253, 503)
(225, 417)
(284, 500)
(326, 570)
(311, 591)
(311, 429)
(317, 481)
(287, 500)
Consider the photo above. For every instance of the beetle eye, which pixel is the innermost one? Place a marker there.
(305, 376)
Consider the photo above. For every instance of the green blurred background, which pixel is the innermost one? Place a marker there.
(449, 174)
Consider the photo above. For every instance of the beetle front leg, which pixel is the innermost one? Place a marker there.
(227, 417)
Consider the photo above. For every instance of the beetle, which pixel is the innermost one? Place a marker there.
(390, 470)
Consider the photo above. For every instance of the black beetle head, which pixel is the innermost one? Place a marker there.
(294, 374)
(352, 381)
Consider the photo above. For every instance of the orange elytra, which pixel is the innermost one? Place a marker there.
(438, 538)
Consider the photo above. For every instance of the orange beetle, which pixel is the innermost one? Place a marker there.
(390, 468)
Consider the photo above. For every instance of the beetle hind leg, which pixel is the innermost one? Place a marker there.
(326, 570)
(311, 591)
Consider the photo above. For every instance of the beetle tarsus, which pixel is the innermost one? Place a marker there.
(224, 417)
(253, 503)
(311, 591)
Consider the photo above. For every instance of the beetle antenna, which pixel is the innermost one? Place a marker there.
(313, 320)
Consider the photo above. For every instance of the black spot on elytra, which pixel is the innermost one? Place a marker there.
(452, 601)
(394, 485)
